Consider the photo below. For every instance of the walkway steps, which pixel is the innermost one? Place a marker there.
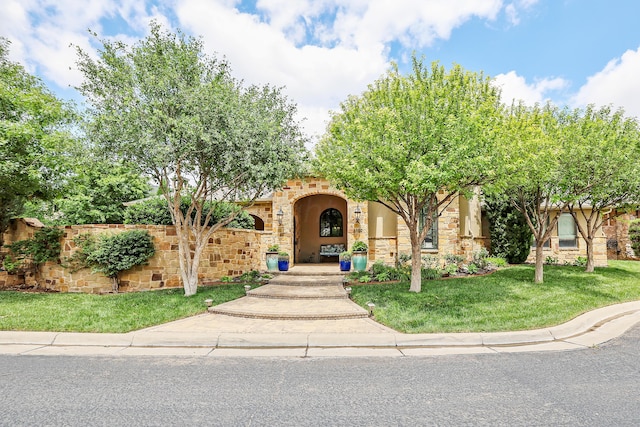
(302, 295)
(283, 309)
(299, 292)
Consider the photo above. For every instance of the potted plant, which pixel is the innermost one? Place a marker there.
(359, 255)
(272, 257)
(283, 261)
(345, 261)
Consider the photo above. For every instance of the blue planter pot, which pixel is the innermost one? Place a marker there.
(283, 265)
(345, 265)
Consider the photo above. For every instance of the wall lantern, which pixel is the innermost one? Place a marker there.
(280, 216)
(357, 212)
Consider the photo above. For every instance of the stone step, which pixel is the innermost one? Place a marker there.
(282, 291)
(334, 271)
(288, 309)
(295, 280)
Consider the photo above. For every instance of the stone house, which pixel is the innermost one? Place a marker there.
(309, 219)
(313, 221)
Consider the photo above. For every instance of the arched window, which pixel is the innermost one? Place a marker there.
(258, 223)
(331, 223)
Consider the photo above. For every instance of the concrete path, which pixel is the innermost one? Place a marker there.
(270, 322)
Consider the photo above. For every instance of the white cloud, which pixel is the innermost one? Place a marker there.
(616, 84)
(348, 47)
(515, 87)
(321, 50)
(512, 10)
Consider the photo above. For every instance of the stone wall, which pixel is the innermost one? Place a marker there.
(231, 252)
(616, 228)
(450, 238)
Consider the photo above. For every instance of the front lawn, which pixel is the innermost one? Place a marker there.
(65, 312)
(505, 300)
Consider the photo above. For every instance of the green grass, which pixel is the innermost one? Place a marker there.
(503, 301)
(65, 312)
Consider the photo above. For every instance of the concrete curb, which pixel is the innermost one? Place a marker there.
(588, 330)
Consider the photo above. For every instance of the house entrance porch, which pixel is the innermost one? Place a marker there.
(320, 228)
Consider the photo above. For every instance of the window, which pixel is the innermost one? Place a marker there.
(567, 233)
(331, 223)
(431, 241)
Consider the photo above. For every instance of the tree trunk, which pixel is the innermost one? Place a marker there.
(416, 267)
(114, 284)
(590, 263)
(539, 276)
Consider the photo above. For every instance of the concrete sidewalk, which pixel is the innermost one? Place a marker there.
(217, 335)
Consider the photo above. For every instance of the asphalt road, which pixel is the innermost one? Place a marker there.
(593, 387)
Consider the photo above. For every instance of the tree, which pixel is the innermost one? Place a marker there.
(94, 193)
(414, 143)
(32, 135)
(600, 170)
(531, 158)
(180, 116)
(154, 211)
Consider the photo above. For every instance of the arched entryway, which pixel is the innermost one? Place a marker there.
(320, 221)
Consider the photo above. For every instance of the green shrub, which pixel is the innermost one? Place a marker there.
(551, 260)
(10, 264)
(496, 261)
(155, 211)
(580, 261)
(359, 246)
(634, 236)
(383, 277)
(430, 261)
(453, 259)
(430, 273)
(451, 269)
(111, 254)
(364, 279)
(479, 258)
(472, 269)
(226, 279)
(252, 276)
(508, 229)
(42, 247)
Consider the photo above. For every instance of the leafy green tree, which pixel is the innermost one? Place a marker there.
(531, 155)
(180, 116)
(32, 137)
(94, 194)
(155, 211)
(600, 170)
(414, 143)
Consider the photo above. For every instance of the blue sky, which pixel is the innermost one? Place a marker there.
(572, 52)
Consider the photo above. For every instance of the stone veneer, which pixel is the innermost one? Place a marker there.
(231, 252)
(295, 190)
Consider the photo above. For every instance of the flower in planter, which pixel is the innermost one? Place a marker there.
(359, 246)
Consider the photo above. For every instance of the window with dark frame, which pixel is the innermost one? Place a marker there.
(331, 223)
(431, 241)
